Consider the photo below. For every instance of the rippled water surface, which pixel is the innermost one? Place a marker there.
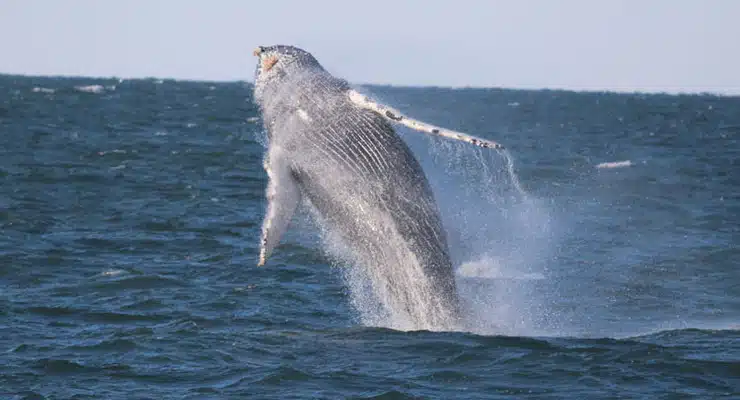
(130, 214)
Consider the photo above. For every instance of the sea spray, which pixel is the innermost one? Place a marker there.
(513, 178)
(500, 236)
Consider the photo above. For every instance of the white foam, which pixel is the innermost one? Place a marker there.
(615, 164)
(113, 272)
(90, 89)
(114, 151)
(43, 90)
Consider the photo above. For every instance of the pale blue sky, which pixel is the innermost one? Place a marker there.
(646, 45)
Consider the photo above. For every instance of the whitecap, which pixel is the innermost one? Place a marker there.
(615, 164)
(43, 90)
(112, 272)
(114, 151)
(90, 89)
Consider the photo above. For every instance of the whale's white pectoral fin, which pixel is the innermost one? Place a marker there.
(283, 196)
(394, 115)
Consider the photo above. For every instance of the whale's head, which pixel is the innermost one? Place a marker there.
(282, 65)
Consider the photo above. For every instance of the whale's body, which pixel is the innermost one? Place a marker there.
(362, 180)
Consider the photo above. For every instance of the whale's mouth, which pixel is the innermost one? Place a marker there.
(266, 61)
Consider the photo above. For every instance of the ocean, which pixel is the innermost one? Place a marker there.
(599, 260)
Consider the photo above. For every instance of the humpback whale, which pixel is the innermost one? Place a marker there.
(336, 148)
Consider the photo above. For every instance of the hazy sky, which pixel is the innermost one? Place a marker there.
(647, 45)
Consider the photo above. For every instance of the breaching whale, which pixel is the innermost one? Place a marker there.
(336, 148)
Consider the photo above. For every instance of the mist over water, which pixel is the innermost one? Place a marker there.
(500, 236)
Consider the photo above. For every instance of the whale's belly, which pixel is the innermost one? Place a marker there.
(368, 187)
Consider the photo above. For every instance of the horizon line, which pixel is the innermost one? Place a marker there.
(683, 92)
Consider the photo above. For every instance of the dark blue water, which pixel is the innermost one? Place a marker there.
(130, 214)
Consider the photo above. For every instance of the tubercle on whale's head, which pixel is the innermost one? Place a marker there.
(277, 63)
(266, 60)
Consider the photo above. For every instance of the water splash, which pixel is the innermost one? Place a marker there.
(374, 276)
(500, 236)
(514, 179)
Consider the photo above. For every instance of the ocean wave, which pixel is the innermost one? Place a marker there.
(615, 164)
(43, 90)
(90, 89)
